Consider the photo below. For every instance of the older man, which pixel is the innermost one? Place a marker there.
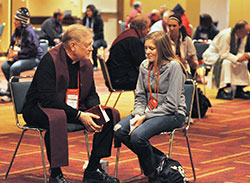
(65, 73)
(226, 53)
(126, 54)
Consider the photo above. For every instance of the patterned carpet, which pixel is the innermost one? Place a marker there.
(219, 142)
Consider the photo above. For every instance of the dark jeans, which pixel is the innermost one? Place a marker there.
(97, 44)
(149, 156)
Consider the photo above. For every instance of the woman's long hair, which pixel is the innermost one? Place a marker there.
(164, 49)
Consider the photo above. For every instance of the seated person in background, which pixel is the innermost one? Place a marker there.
(182, 44)
(161, 25)
(154, 16)
(159, 103)
(178, 10)
(127, 53)
(24, 51)
(51, 28)
(137, 5)
(247, 49)
(206, 30)
(226, 53)
(93, 21)
(66, 70)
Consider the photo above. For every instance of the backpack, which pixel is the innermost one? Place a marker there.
(171, 171)
(204, 104)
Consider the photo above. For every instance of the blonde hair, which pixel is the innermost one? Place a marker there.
(164, 49)
(76, 33)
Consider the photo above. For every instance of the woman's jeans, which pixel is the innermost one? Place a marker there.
(97, 44)
(15, 68)
(149, 156)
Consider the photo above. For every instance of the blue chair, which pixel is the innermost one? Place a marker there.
(44, 43)
(18, 92)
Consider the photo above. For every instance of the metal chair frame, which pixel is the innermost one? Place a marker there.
(106, 77)
(18, 105)
(185, 128)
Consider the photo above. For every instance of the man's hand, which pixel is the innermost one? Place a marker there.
(136, 121)
(86, 119)
(244, 57)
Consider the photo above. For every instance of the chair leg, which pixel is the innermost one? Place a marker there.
(87, 143)
(190, 155)
(171, 144)
(43, 157)
(14, 155)
(117, 161)
(117, 99)
(108, 99)
(197, 101)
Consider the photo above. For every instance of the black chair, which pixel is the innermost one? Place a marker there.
(44, 43)
(200, 49)
(189, 92)
(18, 92)
(108, 83)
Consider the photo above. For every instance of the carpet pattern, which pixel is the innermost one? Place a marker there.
(219, 142)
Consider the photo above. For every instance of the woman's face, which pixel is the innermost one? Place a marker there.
(150, 50)
(17, 23)
(89, 12)
(173, 27)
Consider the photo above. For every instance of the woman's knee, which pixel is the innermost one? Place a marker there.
(137, 139)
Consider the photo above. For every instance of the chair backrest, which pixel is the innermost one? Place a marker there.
(18, 92)
(200, 49)
(122, 24)
(44, 45)
(105, 74)
(189, 91)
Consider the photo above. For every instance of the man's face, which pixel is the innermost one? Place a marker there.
(60, 18)
(243, 32)
(145, 31)
(83, 49)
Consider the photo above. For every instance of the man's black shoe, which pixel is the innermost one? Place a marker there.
(98, 176)
(58, 179)
(224, 95)
(243, 95)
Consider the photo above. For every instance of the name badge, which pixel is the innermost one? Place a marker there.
(152, 104)
(72, 98)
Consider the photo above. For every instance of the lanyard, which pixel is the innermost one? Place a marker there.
(72, 95)
(157, 84)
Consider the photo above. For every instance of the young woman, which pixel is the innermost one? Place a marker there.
(159, 103)
(93, 21)
(182, 43)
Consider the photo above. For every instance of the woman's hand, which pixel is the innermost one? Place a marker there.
(136, 121)
(86, 119)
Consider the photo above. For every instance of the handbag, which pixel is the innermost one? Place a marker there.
(171, 171)
(203, 102)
